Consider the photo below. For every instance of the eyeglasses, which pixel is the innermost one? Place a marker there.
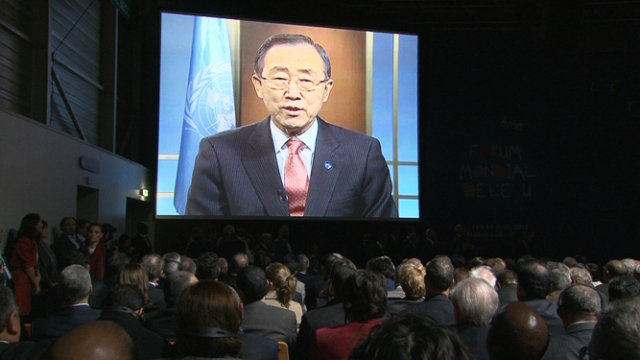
(283, 83)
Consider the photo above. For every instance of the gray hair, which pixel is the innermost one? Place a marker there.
(304, 261)
(475, 301)
(560, 276)
(580, 276)
(289, 39)
(7, 305)
(175, 285)
(172, 262)
(75, 284)
(617, 333)
(485, 273)
(153, 264)
(632, 266)
(581, 301)
(188, 264)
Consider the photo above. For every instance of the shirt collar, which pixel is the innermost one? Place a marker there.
(280, 138)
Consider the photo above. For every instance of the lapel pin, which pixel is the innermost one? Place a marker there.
(328, 165)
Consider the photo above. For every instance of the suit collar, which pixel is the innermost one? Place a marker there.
(579, 327)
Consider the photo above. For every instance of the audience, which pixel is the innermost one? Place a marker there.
(100, 340)
(580, 276)
(411, 280)
(154, 264)
(172, 263)
(208, 266)
(24, 262)
(438, 283)
(67, 244)
(485, 273)
(508, 287)
(617, 333)
(518, 332)
(135, 274)
(282, 289)
(560, 280)
(11, 348)
(614, 268)
(622, 287)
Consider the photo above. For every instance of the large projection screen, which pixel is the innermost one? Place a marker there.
(206, 88)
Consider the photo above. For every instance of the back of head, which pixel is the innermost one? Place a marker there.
(384, 266)
(440, 272)
(518, 332)
(617, 334)
(507, 277)
(412, 280)
(580, 276)
(412, 337)
(623, 286)
(304, 262)
(534, 278)
(203, 310)
(239, 261)
(153, 264)
(125, 295)
(284, 282)
(338, 278)
(172, 263)
(475, 302)
(7, 306)
(208, 266)
(497, 265)
(99, 340)
(616, 268)
(364, 296)
(175, 285)
(75, 284)
(252, 281)
(560, 276)
(485, 273)
(188, 264)
(582, 301)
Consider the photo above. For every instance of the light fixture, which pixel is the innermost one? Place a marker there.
(144, 192)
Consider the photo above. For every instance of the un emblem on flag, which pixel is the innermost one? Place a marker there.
(210, 107)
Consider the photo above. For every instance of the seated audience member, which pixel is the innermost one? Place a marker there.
(264, 249)
(613, 269)
(534, 284)
(172, 263)
(622, 287)
(238, 261)
(208, 266)
(329, 315)
(630, 264)
(301, 289)
(476, 262)
(188, 264)
(580, 276)
(518, 332)
(124, 306)
(11, 348)
(365, 303)
(438, 282)
(259, 318)
(475, 302)
(569, 261)
(461, 274)
(163, 322)
(578, 306)
(398, 291)
(135, 274)
(560, 280)
(73, 290)
(617, 332)
(412, 281)
(154, 265)
(100, 340)
(384, 266)
(412, 337)
(114, 263)
(497, 265)
(303, 273)
(282, 289)
(485, 273)
(508, 287)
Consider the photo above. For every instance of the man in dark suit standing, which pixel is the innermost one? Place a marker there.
(74, 289)
(67, 244)
(141, 242)
(293, 162)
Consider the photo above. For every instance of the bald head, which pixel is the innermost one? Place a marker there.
(518, 332)
(100, 340)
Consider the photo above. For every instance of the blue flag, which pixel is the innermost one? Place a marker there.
(209, 107)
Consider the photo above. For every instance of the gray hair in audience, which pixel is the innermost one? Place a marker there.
(580, 276)
(188, 264)
(497, 265)
(560, 276)
(582, 301)
(175, 285)
(154, 265)
(631, 265)
(75, 284)
(172, 262)
(475, 301)
(485, 273)
(304, 261)
(399, 270)
(617, 334)
(7, 305)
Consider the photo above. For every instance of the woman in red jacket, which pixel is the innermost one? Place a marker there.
(24, 262)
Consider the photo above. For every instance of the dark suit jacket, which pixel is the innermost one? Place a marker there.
(156, 295)
(271, 321)
(567, 347)
(141, 246)
(508, 294)
(396, 306)
(163, 322)
(258, 347)
(63, 321)
(236, 173)
(324, 317)
(147, 344)
(548, 311)
(24, 350)
(63, 247)
(475, 337)
(437, 307)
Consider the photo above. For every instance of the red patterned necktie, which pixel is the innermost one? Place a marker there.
(296, 178)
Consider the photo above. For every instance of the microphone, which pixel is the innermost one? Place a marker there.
(282, 196)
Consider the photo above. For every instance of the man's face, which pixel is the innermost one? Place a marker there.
(293, 109)
(83, 230)
(69, 227)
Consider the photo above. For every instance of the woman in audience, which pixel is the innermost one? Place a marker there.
(24, 262)
(282, 289)
(208, 322)
(96, 250)
(135, 274)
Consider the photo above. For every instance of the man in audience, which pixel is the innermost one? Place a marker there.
(617, 332)
(560, 280)
(172, 263)
(518, 332)
(622, 287)
(497, 265)
(281, 245)
(580, 276)
(303, 275)
(154, 265)
(384, 266)
(208, 266)
(229, 244)
(411, 280)
(188, 264)
(74, 290)
(163, 322)
(578, 306)
(264, 249)
(534, 284)
(141, 242)
(10, 346)
(259, 318)
(124, 306)
(631, 265)
(67, 244)
(100, 340)
(438, 282)
(508, 287)
(485, 273)
(613, 269)
(238, 261)
(82, 229)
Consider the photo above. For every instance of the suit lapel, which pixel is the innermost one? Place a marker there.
(259, 161)
(328, 161)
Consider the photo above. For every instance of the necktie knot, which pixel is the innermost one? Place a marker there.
(295, 146)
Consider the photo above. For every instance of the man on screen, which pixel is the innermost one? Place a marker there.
(293, 162)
